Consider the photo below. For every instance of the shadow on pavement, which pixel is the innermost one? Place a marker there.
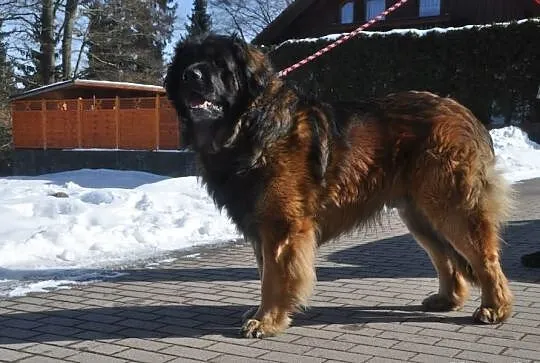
(401, 256)
(187, 321)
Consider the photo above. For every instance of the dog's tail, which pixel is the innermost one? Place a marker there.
(498, 199)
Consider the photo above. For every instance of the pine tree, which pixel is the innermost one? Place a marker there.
(127, 38)
(7, 80)
(7, 84)
(200, 21)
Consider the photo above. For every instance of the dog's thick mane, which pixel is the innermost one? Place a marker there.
(273, 116)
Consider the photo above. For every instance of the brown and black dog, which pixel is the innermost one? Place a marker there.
(294, 173)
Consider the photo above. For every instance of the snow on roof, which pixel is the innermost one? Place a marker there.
(418, 32)
(89, 83)
(112, 84)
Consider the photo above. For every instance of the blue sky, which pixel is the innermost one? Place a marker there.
(184, 8)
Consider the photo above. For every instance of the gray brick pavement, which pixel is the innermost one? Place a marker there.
(365, 308)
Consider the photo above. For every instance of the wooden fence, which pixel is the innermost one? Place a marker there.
(145, 123)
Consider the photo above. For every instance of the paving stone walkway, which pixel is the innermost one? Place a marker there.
(365, 308)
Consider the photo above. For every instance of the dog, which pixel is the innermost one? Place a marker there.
(294, 172)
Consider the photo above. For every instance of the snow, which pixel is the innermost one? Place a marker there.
(109, 218)
(97, 83)
(517, 155)
(41, 286)
(417, 32)
(101, 221)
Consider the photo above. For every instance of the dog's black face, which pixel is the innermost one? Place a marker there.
(211, 82)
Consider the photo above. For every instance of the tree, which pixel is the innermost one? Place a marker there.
(41, 37)
(7, 83)
(23, 18)
(127, 38)
(246, 17)
(200, 21)
(67, 38)
(36, 28)
(47, 61)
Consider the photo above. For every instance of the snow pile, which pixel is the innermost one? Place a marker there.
(517, 155)
(107, 217)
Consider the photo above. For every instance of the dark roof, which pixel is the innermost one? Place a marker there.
(89, 84)
(287, 16)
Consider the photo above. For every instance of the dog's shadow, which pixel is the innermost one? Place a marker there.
(402, 257)
(186, 321)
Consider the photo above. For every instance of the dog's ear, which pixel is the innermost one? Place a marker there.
(171, 84)
(258, 69)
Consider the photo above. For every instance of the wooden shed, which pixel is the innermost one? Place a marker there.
(89, 114)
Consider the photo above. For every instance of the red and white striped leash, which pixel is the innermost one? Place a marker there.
(342, 39)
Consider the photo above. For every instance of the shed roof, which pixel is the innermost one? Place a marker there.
(87, 84)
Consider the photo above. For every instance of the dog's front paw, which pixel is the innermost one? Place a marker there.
(253, 328)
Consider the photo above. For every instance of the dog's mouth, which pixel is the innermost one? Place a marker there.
(198, 102)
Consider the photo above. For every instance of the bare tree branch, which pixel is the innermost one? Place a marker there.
(81, 50)
(247, 17)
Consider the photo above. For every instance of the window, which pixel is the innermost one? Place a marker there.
(347, 13)
(374, 8)
(430, 8)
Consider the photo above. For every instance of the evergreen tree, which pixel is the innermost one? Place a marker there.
(200, 22)
(7, 84)
(7, 80)
(127, 38)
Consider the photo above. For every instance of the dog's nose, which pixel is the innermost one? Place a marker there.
(192, 74)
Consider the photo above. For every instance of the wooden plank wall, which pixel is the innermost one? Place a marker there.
(146, 123)
(137, 124)
(60, 129)
(169, 135)
(27, 124)
(98, 124)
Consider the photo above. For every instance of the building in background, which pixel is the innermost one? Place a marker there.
(314, 18)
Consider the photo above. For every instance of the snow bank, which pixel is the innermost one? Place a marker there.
(517, 155)
(108, 217)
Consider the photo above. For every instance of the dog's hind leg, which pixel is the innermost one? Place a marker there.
(288, 276)
(453, 289)
(477, 239)
(471, 224)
